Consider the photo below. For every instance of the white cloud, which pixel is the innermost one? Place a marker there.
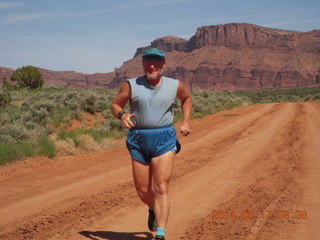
(154, 3)
(24, 17)
(59, 15)
(4, 5)
(126, 7)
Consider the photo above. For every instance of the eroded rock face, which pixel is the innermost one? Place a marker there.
(167, 44)
(242, 56)
(234, 78)
(245, 35)
(231, 56)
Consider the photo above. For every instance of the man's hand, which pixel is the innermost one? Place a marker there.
(126, 120)
(185, 129)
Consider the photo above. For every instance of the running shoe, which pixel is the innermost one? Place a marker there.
(152, 221)
(160, 238)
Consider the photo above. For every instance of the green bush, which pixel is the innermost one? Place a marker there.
(209, 102)
(17, 131)
(28, 77)
(7, 84)
(5, 98)
(90, 103)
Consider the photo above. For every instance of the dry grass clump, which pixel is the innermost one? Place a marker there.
(65, 147)
(108, 143)
(88, 144)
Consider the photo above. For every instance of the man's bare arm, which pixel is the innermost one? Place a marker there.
(118, 104)
(183, 94)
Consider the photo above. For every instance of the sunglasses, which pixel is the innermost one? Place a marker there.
(153, 57)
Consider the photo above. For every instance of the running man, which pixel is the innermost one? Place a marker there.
(152, 140)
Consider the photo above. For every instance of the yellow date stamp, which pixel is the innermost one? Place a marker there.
(299, 214)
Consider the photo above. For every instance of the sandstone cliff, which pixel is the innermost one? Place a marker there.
(231, 56)
(238, 56)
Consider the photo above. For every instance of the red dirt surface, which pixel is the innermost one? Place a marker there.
(249, 173)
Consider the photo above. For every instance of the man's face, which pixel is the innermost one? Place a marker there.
(153, 68)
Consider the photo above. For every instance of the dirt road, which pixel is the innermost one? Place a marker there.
(249, 173)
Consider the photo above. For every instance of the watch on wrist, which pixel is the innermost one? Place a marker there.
(120, 114)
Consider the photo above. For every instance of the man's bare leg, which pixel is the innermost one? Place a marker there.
(142, 176)
(162, 168)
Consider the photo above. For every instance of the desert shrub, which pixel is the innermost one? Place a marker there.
(18, 132)
(287, 94)
(71, 100)
(47, 105)
(103, 104)
(316, 97)
(30, 125)
(62, 115)
(6, 138)
(114, 124)
(7, 84)
(230, 105)
(209, 102)
(100, 132)
(5, 118)
(15, 113)
(28, 77)
(90, 103)
(5, 98)
(107, 113)
(39, 116)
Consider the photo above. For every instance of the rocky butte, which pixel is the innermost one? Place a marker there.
(230, 56)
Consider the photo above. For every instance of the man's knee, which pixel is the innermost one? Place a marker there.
(143, 193)
(161, 188)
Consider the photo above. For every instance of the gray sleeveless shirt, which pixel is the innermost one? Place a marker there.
(152, 105)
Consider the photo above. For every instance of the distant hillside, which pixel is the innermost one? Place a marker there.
(231, 56)
(67, 78)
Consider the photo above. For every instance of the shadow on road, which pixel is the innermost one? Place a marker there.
(117, 235)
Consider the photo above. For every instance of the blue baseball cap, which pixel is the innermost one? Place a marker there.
(154, 54)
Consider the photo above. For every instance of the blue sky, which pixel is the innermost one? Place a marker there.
(98, 35)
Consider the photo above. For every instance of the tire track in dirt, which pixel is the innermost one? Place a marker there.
(220, 137)
(258, 210)
(234, 166)
(309, 179)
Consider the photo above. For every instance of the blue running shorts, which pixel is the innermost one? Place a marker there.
(147, 143)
